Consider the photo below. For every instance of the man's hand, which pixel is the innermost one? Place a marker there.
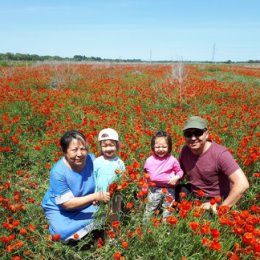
(208, 206)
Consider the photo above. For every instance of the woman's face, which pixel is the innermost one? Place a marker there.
(76, 154)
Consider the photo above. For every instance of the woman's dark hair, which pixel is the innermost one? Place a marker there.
(166, 136)
(69, 136)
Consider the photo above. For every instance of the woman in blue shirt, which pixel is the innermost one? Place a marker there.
(69, 202)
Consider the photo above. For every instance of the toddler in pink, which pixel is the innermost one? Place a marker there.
(164, 171)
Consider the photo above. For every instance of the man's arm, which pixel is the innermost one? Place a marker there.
(239, 186)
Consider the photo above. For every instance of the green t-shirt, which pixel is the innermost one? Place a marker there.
(104, 171)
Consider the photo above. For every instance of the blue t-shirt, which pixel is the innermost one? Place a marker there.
(66, 184)
(104, 171)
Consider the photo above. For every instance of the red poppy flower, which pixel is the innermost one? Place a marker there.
(215, 245)
(129, 233)
(100, 242)
(111, 234)
(76, 236)
(171, 220)
(112, 188)
(200, 193)
(117, 255)
(169, 198)
(212, 201)
(205, 241)
(182, 194)
(146, 176)
(115, 224)
(129, 205)
(164, 190)
(16, 223)
(56, 237)
(136, 165)
(23, 231)
(194, 225)
(248, 238)
(125, 244)
(197, 203)
(16, 258)
(238, 230)
(140, 194)
(217, 199)
(223, 209)
(233, 256)
(214, 233)
(204, 229)
(31, 227)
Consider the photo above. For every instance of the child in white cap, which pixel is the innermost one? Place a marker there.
(108, 166)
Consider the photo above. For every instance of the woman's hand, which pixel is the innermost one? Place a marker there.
(102, 196)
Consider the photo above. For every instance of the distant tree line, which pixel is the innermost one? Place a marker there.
(34, 57)
(26, 57)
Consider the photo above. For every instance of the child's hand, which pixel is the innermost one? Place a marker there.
(174, 179)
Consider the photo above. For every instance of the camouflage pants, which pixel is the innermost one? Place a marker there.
(157, 197)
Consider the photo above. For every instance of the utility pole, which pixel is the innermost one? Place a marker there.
(213, 52)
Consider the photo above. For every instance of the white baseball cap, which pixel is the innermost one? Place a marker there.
(108, 134)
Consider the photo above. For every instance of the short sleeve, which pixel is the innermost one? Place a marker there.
(59, 186)
(227, 164)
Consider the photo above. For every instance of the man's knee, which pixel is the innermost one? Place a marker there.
(182, 190)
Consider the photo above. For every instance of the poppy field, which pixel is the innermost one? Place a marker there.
(41, 101)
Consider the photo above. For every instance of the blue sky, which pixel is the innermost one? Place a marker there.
(217, 30)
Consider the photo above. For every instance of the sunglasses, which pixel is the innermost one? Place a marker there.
(196, 133)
